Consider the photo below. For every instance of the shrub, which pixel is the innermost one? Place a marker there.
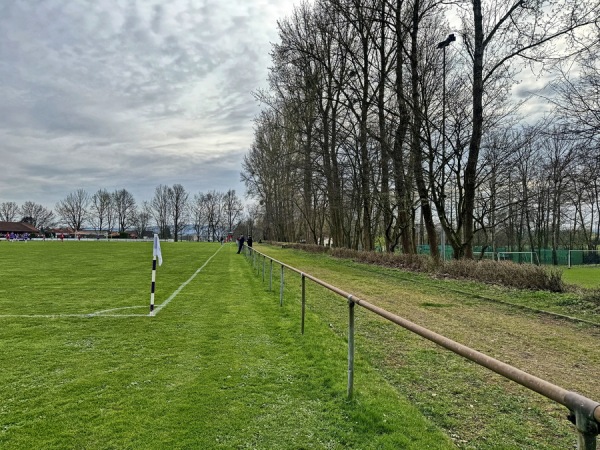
(415, 263)
(592, 296)
(504, 273)
(312, 248)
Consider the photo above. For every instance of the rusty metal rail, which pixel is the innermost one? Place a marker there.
(585, 412)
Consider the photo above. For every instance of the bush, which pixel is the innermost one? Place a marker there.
(415, 263)
(504, 273)
(312, 248)
(592, 296)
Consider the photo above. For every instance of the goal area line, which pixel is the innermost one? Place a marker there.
(111, 312)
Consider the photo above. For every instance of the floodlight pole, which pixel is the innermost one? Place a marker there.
(443, 46)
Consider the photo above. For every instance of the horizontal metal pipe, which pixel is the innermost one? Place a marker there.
(572, 400)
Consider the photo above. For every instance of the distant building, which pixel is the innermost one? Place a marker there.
(17, 227)
(66, 232)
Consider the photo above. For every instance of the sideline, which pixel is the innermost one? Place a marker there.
(107, 312)
(174, 294)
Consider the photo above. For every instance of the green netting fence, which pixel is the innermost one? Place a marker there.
(543, 256)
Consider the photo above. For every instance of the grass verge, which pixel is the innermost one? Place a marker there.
(222, 366)
(584, 276)
(478, 409)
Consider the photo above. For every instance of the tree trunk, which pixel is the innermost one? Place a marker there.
(470, 175)
(416, 151)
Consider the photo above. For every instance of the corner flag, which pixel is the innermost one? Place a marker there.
(156, 249)
(156, 254)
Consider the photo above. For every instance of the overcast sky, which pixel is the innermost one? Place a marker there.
(129, 94)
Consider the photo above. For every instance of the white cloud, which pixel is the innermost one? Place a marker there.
(113, 94)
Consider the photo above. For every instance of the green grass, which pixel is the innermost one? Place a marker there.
(584, 276)
(478, 409)
(222, 366)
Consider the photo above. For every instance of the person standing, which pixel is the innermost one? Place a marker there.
(241, 241)
(250, 241)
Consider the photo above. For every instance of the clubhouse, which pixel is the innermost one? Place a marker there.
(17, 228)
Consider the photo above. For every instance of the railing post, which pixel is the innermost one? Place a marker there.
(281, 288)
(587, 430)
(350, 346)
(303, 301)
(264, 262)
(271, 277)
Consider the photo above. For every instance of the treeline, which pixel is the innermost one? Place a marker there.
(377, 123)
(171, 210)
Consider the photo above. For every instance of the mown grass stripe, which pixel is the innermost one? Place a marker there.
(224, 367)
(178, 290)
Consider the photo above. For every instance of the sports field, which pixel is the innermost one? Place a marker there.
(220, 364)
(584, 276)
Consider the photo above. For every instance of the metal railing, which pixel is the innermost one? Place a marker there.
(585, 413)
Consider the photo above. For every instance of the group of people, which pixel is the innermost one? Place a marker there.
(17, 237)
(241, 241)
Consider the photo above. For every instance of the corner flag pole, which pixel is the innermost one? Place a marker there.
(156, 255)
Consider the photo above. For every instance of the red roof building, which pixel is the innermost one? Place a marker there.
(17, 227)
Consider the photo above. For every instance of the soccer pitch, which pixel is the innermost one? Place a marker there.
(99, 278)
(84, 364)
(584, 276)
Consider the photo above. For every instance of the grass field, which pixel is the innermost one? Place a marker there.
(584, 276)
(221, 366)
(476, 408)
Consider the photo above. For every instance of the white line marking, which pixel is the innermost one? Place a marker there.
(60, 316)
(174, 294)
(104, 312)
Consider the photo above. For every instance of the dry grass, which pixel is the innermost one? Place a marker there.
(592, 296)
(478, 409)
(504, 273)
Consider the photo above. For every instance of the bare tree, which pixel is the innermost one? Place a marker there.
(561, 158)
(9, 211)
(124, 207)
(308, 82)
(232, 210)
(39, 216)
(73, 210)
(179, 209)
(270, 176)
(161, 209)
(577, 96)
(213, 204)
(353, 137)
(198, 213)
(511, 30)
(142, 218)
(100, 209)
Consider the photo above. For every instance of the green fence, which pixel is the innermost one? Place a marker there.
(543, 256)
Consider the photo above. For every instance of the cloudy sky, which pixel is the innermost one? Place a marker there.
(129, 93)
